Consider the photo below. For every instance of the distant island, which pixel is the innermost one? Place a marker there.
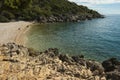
(45, 11)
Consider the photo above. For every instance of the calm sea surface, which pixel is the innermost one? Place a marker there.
(96, 39)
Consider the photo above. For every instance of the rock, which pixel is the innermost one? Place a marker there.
(113, 75)
(65, 58)
(111, 64)
(89, 17)
(10, 60)
(54, 51)
(32, 52)
(20, 63)
(93, 65)
(12, 77)
(67, 18)
(77, 75)
(112, 68)
(77, 58)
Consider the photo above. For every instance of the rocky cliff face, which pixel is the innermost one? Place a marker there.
(21, 63)
(68, 18)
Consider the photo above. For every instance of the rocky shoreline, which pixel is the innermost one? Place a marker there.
(68, 18)
(20, 63)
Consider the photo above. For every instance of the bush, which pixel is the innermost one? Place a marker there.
(33, 9)
(27, 18)
(3, 19)
(7, 14)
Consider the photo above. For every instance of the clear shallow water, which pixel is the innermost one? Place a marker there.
(97, 39)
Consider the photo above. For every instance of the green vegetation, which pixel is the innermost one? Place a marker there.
(30, 10)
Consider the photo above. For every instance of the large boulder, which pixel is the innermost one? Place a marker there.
(111, 64)
(112, 68)
(95, 67)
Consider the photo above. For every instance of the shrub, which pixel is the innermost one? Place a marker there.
(7, 14)
(3, 19)
(33, 9)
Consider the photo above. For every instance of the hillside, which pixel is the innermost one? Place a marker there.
(44, 11)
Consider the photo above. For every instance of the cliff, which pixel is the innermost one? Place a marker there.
(20, 63)
(45, 11)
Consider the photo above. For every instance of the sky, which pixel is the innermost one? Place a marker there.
(102, 6)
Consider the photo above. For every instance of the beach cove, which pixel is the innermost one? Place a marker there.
(14, 32)
(22, 62)
(96, 39)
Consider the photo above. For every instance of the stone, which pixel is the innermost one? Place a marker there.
(77, 75)
(112, 68)
(110, 64)
(113, 75)
(19, 63)
(65, 58)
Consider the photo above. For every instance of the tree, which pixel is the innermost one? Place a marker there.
(17, 4)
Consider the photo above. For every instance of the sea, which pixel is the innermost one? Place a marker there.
(96, 39)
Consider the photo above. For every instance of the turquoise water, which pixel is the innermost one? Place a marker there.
(97, 39)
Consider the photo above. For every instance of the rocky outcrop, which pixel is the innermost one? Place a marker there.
(20, 63)
(112, 69)
(68, 18)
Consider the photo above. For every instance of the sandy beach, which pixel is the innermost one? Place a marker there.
(14, 32)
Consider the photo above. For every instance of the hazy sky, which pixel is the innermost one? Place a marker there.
(102, 6)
